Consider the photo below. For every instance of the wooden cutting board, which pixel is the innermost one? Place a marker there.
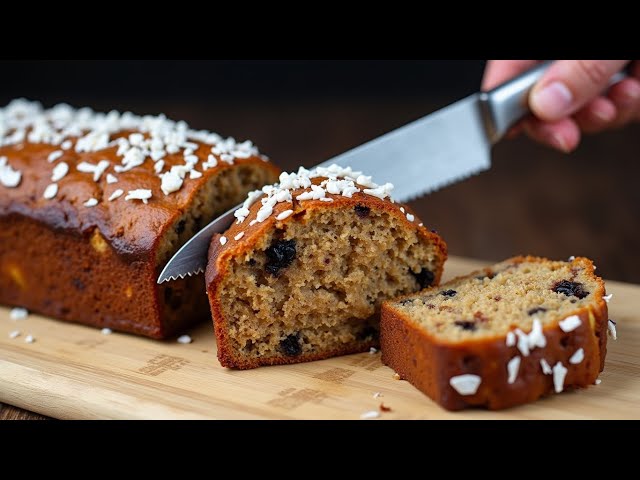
(72, 371)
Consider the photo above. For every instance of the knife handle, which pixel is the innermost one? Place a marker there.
(505, 105)
(508, 103)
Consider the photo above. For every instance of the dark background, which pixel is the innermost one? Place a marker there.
(533, 200)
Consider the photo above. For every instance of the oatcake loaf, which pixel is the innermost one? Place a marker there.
(302, 273)
(92, 206)
(507, 335)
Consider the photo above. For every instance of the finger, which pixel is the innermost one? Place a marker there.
(499, 71)
(568, 85)
(597, 115)
(626, 97)
(563, 135)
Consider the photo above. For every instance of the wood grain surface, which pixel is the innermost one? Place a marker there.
(75, 372)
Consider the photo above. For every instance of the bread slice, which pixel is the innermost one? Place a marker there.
(500, 337)
(302, 274)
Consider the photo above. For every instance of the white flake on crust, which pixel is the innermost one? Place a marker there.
(9, 177)
(612, 329)
(466, 384)
(139, 194)
(546, 368)
(512, 368)
(559, 374)
(92, 202)
(239, 236)
(51, 191)
(59, 171)
(223, 240)
(569, 324)
(577, 357)
(116, 194)
(285, 214)
(511, 339)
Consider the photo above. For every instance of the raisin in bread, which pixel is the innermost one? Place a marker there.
(504, 336)
(303, 271)
(92, 206)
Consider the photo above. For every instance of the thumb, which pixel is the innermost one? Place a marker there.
(568, 85)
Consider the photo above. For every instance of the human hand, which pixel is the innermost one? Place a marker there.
(568, 100)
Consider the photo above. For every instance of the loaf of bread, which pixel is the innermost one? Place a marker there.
(500, 337)
(302, 272)
(93, 205)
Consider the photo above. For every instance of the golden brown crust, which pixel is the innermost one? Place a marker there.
(98, 265)
(220, 256)
(429, 363)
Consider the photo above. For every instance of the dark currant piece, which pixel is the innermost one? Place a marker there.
(368, 333)
(449, 293)
(180, 227)
(466, 325)
(290, 346)
(362, 211)
(424, 278)
(570, 289)
(280, 255)
(533, 311)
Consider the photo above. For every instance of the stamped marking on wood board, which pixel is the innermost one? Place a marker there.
(161, 363)
(366, 361)
(292, 398)
(335, 375)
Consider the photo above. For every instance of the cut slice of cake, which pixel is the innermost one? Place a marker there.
(303, 271)
(502, 336)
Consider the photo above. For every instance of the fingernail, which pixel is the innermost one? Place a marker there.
(604, 113)
(554, 100)
(559, 142)
(631, 92)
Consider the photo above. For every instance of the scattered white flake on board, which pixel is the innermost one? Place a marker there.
(577, 357)
(607, 298)
(139, 194)
(106, 331)
(117, 193)
(569, 324)
(512, 368)
(223, 240)
(18, 313)
(559, 374)
(466, 384)
(14, 334)
(410, 217)
(59, 171)
(285, 214)
(29, 339)
(546, 368)
(111, 178)
(53, 156)
(9, 177)
(51, 191)
(598, 381)
(612, 329)
(511, 339)
(377, 395)
(184, 339)
(373, 351)
(572, 258)
(239, 236)
(92, 202)
(370, 415)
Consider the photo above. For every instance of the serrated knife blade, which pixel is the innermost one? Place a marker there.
(430, 153)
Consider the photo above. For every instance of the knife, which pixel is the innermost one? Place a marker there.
(442, 148)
